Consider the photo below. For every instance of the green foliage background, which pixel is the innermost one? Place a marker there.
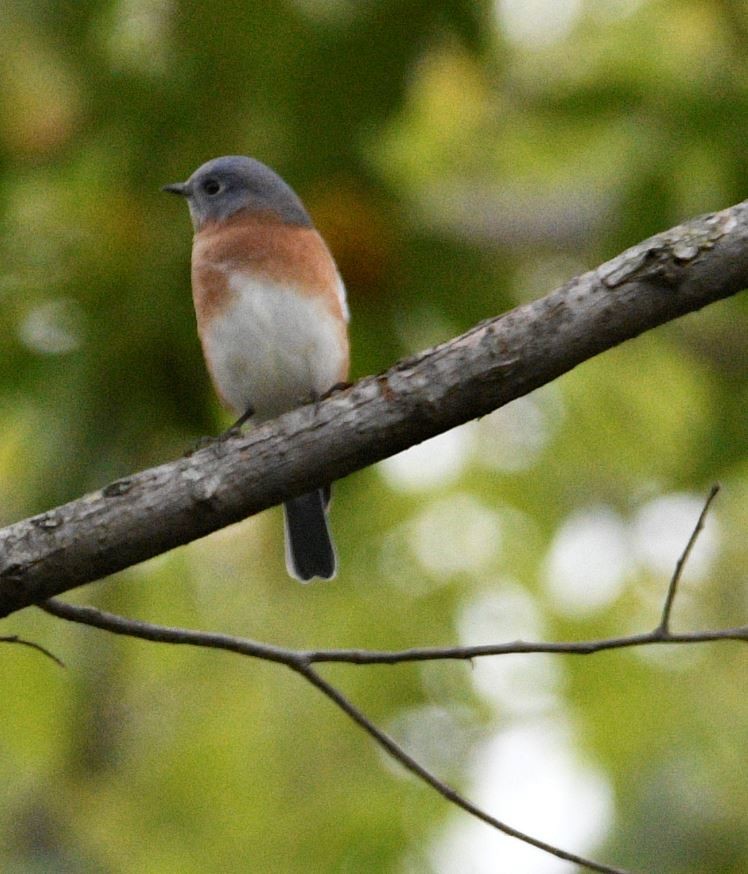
(460, 157)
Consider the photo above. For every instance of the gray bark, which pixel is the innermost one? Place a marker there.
(673, 273)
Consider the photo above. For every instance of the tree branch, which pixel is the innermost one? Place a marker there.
(676, 272)
(300, 658)
(14, 638)
(664, 627)
(301, 662)
(408, 762)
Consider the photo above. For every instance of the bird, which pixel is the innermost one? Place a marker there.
(272, 317)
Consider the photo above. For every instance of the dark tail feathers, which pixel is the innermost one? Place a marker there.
(309, 549)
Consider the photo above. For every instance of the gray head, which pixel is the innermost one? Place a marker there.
(226, 185)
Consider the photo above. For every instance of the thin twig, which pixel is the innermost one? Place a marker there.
(466, 653)
(407, 761)
(300, 662)
(168, 634)
(244, 646)
(664, 627)
(14, 638)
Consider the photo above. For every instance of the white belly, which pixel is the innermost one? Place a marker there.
(273, 349)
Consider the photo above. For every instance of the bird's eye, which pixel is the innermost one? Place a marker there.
(211, 186)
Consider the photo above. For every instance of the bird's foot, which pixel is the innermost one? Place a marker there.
(338, 387)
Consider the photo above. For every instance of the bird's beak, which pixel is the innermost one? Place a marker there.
(181, 188)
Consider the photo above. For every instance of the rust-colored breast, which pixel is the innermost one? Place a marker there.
(262, 246)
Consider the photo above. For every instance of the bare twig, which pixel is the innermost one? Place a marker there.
(168, 634)
(244, 646)
(14, 638)
(301, 661)
(664, 626)
(407, 761)
(466, 653)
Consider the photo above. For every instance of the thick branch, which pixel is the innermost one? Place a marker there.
(495, 362)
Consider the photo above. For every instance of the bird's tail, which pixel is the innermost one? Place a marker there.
(309, 549)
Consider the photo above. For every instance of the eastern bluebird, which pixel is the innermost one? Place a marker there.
(271, 316)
